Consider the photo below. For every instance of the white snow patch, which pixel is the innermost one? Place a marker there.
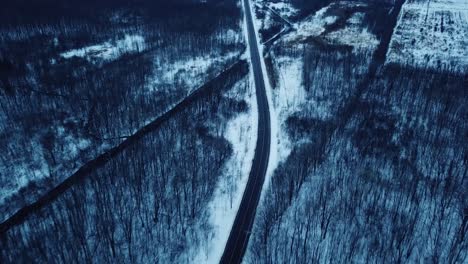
(284, 9)
(241, 132)
(190, 71)
(67, 150)
(24, 172)
(109, 50)
(313, 25)
(356, 19)
(269, 21)
(432, 34)
(355, 36)
(228, 36)
(288, 97)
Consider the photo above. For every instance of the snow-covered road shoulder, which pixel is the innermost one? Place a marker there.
(241, 132)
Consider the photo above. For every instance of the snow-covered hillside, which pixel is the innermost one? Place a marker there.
(432, 34)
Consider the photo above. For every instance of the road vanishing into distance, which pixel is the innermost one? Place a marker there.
(241, 229)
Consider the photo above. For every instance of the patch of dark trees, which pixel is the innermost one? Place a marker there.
(47, 11)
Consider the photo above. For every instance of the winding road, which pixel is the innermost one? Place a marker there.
(240, 232)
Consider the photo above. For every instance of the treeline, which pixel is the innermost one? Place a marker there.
(148, 204)
(39, 11)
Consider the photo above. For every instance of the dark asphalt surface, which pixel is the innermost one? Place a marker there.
(240, 233)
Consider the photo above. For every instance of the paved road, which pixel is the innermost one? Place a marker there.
(240, 233)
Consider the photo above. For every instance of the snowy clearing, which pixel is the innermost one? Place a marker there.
(354, 33)
(71, 151)
(283, 9)
(241, 132)
(288, 97)
(432, 34)
(190, 72)
(313, 25)
(109, 50)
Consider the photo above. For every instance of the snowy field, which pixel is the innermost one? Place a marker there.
(313, 25)
(241, 132)
(189, 72)
(353, 33)
(108, 51)
(172, 76)
(284, 9)
(432, 34)
(290, 96)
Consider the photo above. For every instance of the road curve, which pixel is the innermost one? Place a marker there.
(240, 232)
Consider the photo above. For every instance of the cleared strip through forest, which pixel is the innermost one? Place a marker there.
(222, 80)
(378, 60)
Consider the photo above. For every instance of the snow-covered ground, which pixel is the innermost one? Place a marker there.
(109, 50)
(313, 25)
(288, 97)
(432, 34)
(284, 9)
(190, 72)
(171, 76)
(281, 8)
(354, 33)
(75, 150)
(241, 132)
